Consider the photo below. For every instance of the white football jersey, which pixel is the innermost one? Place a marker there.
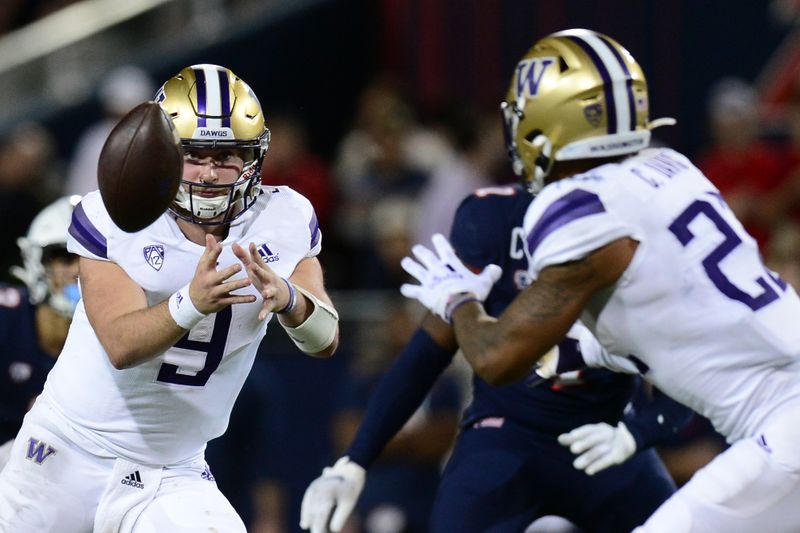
(165, 410)
(696, 309)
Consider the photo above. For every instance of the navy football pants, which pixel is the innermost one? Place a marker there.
(501, 479)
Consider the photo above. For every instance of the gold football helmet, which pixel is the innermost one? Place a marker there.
(577, 94)
(212, 108)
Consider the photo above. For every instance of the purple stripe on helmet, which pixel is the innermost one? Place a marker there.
(628, 79)
(572, 206)
(313, 227)
(200, 78)
(225, 97)
(87, 234)
(608, 89)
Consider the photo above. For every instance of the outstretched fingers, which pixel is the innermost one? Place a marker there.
(443, 247)
(425, 256)
(217, 285)
(415, 269)
(210, 256)
(256, 257)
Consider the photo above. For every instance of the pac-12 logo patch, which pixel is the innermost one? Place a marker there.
(593, 114)
(154, 255)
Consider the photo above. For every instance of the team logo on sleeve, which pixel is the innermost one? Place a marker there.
(154, 255)
(39, 451)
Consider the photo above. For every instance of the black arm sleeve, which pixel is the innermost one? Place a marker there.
(398, 395)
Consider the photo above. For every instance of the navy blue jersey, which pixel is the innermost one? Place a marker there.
(487, 228)
(24, 365)
(507, 467)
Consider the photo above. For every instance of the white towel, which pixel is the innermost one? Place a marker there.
(130, 489)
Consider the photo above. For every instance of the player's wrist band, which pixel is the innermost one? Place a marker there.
(292, 303)
(319, 329)
(182, 309)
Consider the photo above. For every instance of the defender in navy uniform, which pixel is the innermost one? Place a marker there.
(510, 465)
(34, 319)
(25, 363)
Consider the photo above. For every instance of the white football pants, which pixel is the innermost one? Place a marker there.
(754, 486)
(51, 484)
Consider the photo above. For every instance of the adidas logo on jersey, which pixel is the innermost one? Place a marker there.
(134, 480)
(267, 255)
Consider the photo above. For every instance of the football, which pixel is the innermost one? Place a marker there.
(140, 167)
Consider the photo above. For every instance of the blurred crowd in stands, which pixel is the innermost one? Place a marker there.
(396, 178)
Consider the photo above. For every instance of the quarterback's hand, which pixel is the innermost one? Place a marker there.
(274, 289)
(211, 289)
(442, 277)
(599, 445)
(337, 491)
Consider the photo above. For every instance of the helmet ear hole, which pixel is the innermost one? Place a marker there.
(532, 135)
(562, 64)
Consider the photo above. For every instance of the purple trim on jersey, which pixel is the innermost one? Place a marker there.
(628, 80)
(608, 90)
(83, 231)
(313, 227)
(200, 77)
(640, 365)
(573, 205)
(225, 97)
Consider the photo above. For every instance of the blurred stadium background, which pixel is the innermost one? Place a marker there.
(371, 99)
(315, 56)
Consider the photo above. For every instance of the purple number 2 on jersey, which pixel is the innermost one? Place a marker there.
(214, 349)
(680, 228)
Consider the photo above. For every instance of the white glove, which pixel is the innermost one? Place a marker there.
(599, 445)
(337, 488)
(444, 279)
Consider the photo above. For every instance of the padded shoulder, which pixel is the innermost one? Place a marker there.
(90, 227)
(571, 218)
(484, 221)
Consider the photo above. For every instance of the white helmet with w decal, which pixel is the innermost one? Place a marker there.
(576, 94)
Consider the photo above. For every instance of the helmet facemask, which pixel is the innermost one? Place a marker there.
(531, 158)
(60, 274)
(236, 198)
